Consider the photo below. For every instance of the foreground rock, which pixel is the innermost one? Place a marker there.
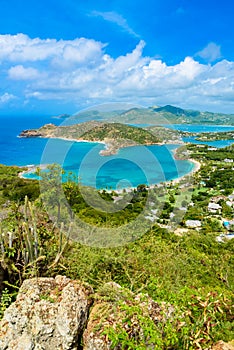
(221, 345)
(52, 314)
(63, 314)
(49, 314)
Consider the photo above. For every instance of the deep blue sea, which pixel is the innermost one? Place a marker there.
(129, 168)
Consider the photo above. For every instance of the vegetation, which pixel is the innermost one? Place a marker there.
(13, 188)
(156, 115)
(115, 135)
(225, 135)
(170, 114)
(120, 131)
(193, 271)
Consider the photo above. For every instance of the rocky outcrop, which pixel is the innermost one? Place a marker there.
(30, 133)
(63, 314)
(52, 314)
(221, 345)
(45, 131)
(48, 314)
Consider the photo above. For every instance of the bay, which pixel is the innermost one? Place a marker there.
(129, 168)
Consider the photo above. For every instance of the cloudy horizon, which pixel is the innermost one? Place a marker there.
(55, 74)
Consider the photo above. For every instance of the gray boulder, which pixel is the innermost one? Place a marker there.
(48, 314)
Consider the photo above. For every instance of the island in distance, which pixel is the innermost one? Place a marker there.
(111, 127)
(155, 115)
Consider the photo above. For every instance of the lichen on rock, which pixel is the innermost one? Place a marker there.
(49, 313)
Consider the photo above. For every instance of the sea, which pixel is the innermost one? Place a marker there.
(81, 160)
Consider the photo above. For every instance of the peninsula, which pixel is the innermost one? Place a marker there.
(117, 135)
(114, 135)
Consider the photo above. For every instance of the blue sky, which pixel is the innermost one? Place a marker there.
(61, 56)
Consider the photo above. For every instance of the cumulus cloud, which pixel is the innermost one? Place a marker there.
(21, 73)
(116, 18)
(210, 53)
(21, 48)
(78, 70)
(5, 98)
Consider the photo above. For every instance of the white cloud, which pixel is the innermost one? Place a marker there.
(79, 70)
(6, 97)
(21, 73)
(211, 52)
(21, 48)
(116, 18)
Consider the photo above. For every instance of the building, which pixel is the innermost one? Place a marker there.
(214, 207)
(193, 223)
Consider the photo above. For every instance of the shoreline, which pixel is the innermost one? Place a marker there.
(110, 147)
(196, 168)
(74, 140)
(30, 169)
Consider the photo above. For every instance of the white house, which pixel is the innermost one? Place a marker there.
(193, 223)
(213, 207)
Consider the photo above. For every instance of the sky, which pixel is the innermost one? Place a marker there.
(63, 56)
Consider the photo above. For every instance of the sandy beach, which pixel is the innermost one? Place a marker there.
(75, 140)
(32, 168)
(197, 166)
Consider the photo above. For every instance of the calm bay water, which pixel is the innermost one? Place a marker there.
(218, 143)
(200, 128)
(130, 167)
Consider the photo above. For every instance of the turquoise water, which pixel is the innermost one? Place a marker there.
(218, 143)
(130, 167)
(191, 127)
(200, 128)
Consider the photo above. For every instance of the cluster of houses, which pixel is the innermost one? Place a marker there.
(215, 208)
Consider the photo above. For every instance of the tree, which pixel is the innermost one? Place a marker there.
(52, 193)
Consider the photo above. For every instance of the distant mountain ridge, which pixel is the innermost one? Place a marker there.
(167, 114)
(177, 111)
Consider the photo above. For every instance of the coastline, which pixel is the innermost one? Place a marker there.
(74, 140)
(31, 169)
(110, 147)
(196, 167)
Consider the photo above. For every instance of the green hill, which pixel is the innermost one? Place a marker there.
(115, 135)
(167, 114)
(159, 115)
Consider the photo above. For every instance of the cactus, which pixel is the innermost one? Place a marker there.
(23, 241)
(22, 246)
